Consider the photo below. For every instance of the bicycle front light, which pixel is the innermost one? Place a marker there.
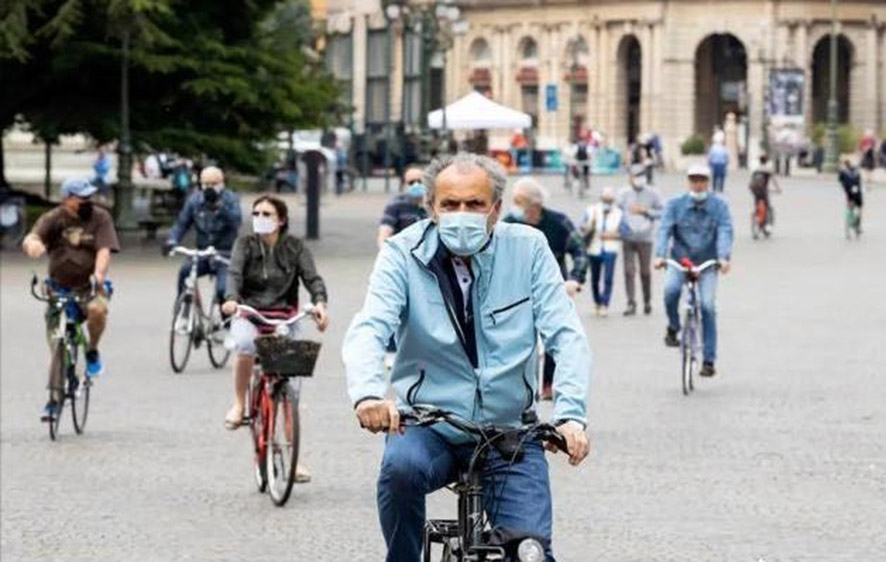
(282, 330)
(530, 550)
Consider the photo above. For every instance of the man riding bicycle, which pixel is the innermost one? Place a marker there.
(79, 239)
(215, 214)
(850, 179)
(761, 178)
(466, 298)
(695, 226)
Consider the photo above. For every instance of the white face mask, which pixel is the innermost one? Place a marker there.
(264, 225)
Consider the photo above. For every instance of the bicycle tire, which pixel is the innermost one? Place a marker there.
(59, 362)
(282, 448)
(78, 394)
(687, 353)
(256, 429)
(185, 313)
(215, 340)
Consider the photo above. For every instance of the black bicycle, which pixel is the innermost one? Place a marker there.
(471, 538)
(193, 323)
(66, 381)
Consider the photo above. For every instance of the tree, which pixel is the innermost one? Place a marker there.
(207, 77)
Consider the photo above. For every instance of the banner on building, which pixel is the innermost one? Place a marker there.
(785, 104)
(551, 97)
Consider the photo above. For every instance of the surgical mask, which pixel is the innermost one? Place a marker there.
(264, 225)
(639, 182)
(84, 211)
(518, 213)
(417, 190)
(464, 233)
(699, 196)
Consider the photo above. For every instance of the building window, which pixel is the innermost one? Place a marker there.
(412, 59)
(339, 63)
(377, 84)
(529, 102)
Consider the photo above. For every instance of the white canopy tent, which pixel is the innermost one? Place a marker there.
(476, 111)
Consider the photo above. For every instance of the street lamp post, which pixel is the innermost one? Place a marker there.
(831, 150)
(392, 14)
(124, 196)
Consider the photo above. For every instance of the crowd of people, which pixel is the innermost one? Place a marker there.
(497, 273)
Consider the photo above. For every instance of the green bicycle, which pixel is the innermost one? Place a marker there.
(66, 381)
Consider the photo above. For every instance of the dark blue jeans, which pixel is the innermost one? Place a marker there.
(602, 267)
(421, 461)
(206, 267)
(718, 171)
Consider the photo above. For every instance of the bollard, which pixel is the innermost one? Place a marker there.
(313, 160)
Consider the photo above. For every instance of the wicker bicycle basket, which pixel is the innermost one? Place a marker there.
(288, 357)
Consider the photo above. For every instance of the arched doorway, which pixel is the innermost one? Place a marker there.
(628, 87)
(721, 69)
(821, 78)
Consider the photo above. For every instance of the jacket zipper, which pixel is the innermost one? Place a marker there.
(506, 308)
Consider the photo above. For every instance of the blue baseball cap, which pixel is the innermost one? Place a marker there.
(77, 187)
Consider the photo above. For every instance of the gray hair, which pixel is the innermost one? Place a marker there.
(464, 161)
(534, 191)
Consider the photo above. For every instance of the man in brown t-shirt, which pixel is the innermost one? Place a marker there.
(79, 238)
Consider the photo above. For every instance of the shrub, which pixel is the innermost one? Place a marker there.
(693, 145)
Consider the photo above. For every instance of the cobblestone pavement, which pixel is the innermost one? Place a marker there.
(783, 457)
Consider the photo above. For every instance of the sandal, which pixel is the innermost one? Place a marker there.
(234, 419)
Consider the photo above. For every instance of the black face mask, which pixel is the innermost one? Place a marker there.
(210, 195)
(84, 210)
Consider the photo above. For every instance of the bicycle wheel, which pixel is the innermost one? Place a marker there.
(181, 333)
(215, 338)
(686, 347)
(282, 449)
(56, 377)
(256, 429)
(78, 394)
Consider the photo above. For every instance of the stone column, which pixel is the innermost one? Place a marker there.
(657, 63)
(756, 76)
(595, 68)
(395, 79)
(359, 72)
(873, 86)
(646, 78)
(605, 82)
(502, 86)
(803, 60)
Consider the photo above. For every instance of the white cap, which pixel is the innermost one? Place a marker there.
(698, 170)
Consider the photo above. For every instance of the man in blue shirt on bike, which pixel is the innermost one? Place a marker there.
(466, 298)
(696, 225)
(215, 214)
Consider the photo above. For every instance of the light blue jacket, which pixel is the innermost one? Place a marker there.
(698, 231)
(518, 291)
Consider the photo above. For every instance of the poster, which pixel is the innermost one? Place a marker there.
(786, 95)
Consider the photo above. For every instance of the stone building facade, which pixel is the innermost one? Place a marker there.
(675, 67)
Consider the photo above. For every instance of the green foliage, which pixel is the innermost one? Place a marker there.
(206, 77)
(693, 145)
(847, 136)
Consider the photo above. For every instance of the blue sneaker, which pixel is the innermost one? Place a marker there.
(50, 411)
(94, 367)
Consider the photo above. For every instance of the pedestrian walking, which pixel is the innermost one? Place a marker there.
(600, 225)
(641, 206)
(718, 160)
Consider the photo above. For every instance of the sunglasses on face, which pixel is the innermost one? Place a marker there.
(266, 214)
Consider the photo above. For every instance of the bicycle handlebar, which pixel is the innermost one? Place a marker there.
(209, 252)
(247, 311)
(424, 416)
(695, 268)
(45, 297)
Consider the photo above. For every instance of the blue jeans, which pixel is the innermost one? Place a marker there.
(421, 461)
(603, 264)
(719, 176)
(707, 290)
(205, 267)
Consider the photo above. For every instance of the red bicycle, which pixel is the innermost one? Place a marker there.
(272, 401)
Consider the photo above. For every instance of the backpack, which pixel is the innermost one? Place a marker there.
(582, 152)
(181, 179)
(759, 182)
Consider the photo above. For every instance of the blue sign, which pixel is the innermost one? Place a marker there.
(551, 97)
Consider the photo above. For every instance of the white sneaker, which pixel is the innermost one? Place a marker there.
(604, 311)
